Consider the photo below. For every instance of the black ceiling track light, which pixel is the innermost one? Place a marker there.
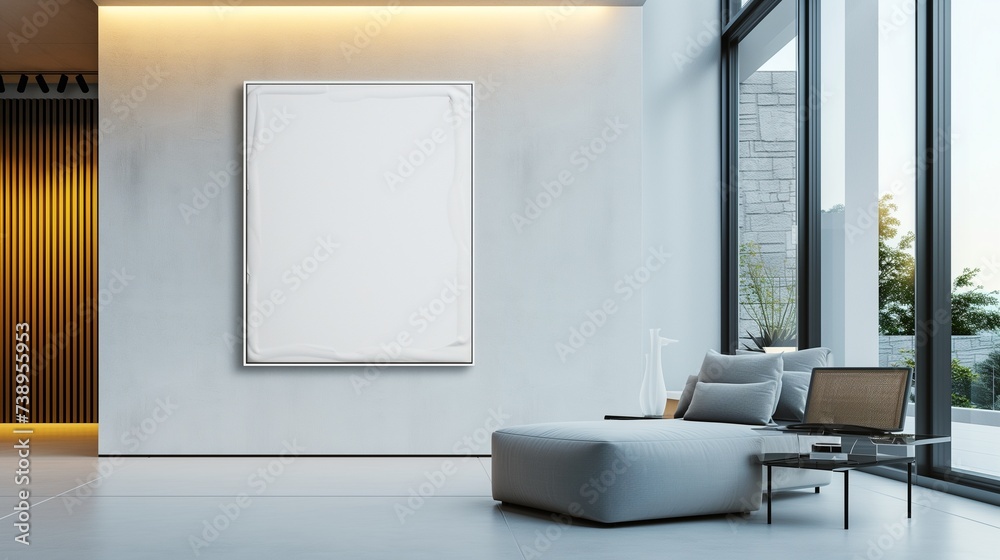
(46, 79)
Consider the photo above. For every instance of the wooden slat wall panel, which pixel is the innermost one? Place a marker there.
(49, 254)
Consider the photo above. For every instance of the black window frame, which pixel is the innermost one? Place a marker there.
(807, 167)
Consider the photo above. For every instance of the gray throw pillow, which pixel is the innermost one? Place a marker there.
(685, 400)
(792, 399)
(735, 403)
(756, 368)
(745, 368)
(806, 360)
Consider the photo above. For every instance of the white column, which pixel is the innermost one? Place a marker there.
(861, 119)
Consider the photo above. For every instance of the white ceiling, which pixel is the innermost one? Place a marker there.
(63, 41)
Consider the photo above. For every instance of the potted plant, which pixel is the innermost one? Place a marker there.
(768, 298)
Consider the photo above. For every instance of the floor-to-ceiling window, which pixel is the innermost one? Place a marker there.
(900, 241)
(975, 231)
(766, 212)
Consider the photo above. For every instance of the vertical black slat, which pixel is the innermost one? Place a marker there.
(52, 294)
(4, 258)
(66, 354)
(80, 360)
(41, 164)
(63, 278)
(39, 406)
(44, 186)
(39, 185)
(3, 244)
(19, 180)
(92, 327)
(24, 227)
(83, 376)
(56, 184)
(4, 171)
(40, 193)
(75, 380)
(72, 382)
(932, 342)
(69, 377)
(63, 138)
(38, 189)
(65, 389)
(12, 123)
(39, 302)
(69, 355)
(23, 193)
(52, 134)
(808, 189)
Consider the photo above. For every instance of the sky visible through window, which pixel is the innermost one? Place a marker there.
(975, 118)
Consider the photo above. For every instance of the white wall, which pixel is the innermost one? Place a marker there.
(681, 179)
(170, 374)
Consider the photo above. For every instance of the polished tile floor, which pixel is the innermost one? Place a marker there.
(248, 508)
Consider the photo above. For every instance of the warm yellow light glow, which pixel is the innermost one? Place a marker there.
(332, 29)
(497, 14)
(42, 431)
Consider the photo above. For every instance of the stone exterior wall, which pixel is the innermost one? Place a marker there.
(970, 351)
(767, 202)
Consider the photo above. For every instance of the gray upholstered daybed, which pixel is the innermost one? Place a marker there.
(613, 471)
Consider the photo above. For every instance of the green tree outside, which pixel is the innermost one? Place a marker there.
(973, 310)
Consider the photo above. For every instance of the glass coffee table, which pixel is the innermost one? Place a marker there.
(876, 451)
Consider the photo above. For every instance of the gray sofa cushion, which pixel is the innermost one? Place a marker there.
(756, 368)
(799, 360)
(735, 403)
(792, 400)
(745, 368)
(806, 360)
(613, 471)
(685, 400)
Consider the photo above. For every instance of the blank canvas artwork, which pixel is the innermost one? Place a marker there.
(358, 223)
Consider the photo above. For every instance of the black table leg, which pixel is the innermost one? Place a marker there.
(769, 494)
(909, 490)
(846, 500)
